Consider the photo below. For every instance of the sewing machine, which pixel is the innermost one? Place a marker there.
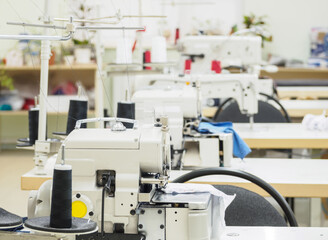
(180, 98)
(119, 177)
(242, 51)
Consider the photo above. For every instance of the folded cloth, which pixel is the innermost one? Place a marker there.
(240, 148)
(220, 201)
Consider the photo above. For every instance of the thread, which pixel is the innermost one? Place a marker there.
(61, 200)
(124, 51)
(147, 59)
(177, 36)
(33, 125)
(158, 50)
(78, 109)
(187, 66)
(126, 110)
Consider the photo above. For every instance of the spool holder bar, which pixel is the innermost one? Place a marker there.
(105, 119)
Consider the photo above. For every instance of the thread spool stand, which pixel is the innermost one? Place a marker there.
(9, 220)
(60, 219)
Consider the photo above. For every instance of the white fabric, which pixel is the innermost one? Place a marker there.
(220, 202)
(315, 122)
(194, 188)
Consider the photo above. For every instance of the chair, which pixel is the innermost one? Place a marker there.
(267, 113)
(250, 209)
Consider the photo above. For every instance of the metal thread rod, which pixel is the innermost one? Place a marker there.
(37, 37)
(45, 56)
(84, 21)
(35, 25)
(129, 16)
(108, 28)
(35, 101)
(107, 119)
(63, 155)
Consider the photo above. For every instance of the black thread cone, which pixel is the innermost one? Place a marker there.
(126, 110)
(61, 201)
(33, 125)
(78, 110)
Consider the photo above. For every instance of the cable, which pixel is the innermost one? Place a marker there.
(244, 175)
(105, 188)
(221, 107)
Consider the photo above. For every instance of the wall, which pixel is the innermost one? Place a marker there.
(25, 11)
(221, 13)
(290, 23)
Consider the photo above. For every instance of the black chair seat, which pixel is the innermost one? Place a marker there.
(266, 114)
(250, 209)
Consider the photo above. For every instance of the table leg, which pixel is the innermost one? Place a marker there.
(315, 212)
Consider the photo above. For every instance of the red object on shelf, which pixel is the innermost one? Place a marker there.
(187, 66)
(177, 35)
(147, 58)
(216, 66)
(29, 103)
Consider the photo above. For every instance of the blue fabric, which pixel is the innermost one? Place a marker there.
(240, 148)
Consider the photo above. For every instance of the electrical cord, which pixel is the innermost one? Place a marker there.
(244, 175)
(105, 188)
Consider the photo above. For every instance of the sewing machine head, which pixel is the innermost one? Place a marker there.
(117, 179)
(229, 50)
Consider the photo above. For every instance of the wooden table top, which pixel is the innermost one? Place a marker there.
(291, 177)
(281, 136)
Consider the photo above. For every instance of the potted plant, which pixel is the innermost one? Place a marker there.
(82, 44)
(82, 51)
(258, 25)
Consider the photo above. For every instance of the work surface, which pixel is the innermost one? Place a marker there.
(291, 177)
(303, 92)
(281, 136)
(299, 108)
(274, 233)
(230, 233)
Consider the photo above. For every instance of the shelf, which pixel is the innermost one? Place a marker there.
(298, 73)
(52, 67)
(25, 112)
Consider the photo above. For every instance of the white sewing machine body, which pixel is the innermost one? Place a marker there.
(170, 95)
(133, 158)
(229, 50)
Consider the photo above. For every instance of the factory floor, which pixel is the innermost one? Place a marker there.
(15, 163)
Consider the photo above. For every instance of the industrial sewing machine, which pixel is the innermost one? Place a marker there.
(244, 52)
(180, 98)
(119, 177)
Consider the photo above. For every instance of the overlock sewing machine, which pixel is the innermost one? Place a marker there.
(118, 180)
